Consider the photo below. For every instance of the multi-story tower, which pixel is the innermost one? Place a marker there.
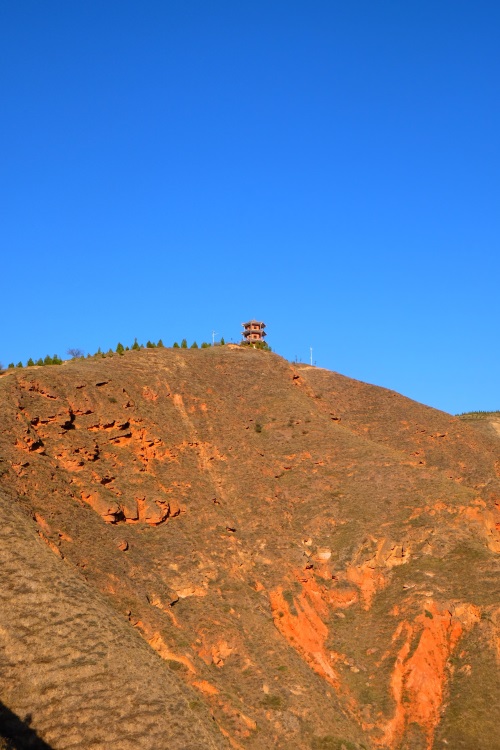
(253, 331)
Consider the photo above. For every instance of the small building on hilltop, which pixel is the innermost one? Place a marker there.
(253, 331)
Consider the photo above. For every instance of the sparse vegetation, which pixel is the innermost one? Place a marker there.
(175, 666)
(332, 743)
(288, 597)
(48, 360)
(478, 414)
(271, 701)
(77, 353)
(257, 345)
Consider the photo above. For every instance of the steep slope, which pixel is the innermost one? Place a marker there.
(73, 666)
(312, 581)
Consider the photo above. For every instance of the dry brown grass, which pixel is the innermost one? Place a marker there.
(247, 473)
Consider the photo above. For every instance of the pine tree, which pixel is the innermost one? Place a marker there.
(30, 363)
(222, 342)
(135, 345)
(194, 345)
(184, 344)
(160, 344)
(19, 364)
(56, 360)
(10, 366)
(150, 345)
(39, 362)
(205, 345)
(120, 348)
(176, 345)
(47, 360)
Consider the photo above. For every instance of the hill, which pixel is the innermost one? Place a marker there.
(488, 422)
(213, 548)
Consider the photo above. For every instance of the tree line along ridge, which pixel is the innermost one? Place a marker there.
(120, 349)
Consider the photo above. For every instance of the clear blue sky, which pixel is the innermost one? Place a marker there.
(332, 168)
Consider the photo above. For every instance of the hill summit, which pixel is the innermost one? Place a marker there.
(212, 548)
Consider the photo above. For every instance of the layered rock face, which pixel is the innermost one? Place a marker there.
(212, 548)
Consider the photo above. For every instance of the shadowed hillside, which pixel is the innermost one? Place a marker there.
(212, 548)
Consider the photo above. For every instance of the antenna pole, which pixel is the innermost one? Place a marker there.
(213, 338)
(311, 351)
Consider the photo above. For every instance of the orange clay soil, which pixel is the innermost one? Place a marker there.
(213, 548)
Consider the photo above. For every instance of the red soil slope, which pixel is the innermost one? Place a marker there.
(311, 562)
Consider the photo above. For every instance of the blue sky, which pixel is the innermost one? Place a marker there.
(332, 168)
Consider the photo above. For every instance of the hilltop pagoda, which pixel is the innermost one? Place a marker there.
(253, 331)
